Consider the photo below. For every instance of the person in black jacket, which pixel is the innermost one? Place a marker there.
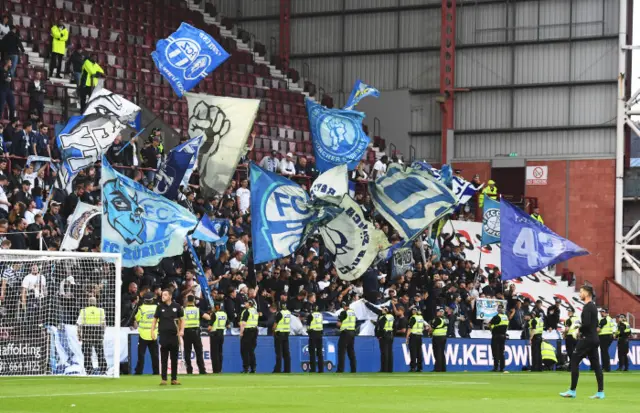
(6, 92)
(12, 47)
(74, 64)
(36, 95)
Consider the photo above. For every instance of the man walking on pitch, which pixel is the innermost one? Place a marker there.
(588, 344)
(171, 316)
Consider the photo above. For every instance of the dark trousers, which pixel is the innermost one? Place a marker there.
(143, 345)
(281, 343)
(536, 353)
(87, 347)
(386, 353)
(497, 348)
(248, 343)
(36, 106)
(605, 343)
(7, 98)
(439, 346)
(55, 63)
(588, 349)
(192, 340)
(315, 352)
(623, 354)
(345, 345)
(216, 343)
(570, 345)
(84, 93)
(169, 346)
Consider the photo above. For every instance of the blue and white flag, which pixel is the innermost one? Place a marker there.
(337, 136)
(463, 189)
(82, 142)
(360, 90)
(527, 246)
(330, 186)
(422, 166)
(410, 200)
(490, 222)
(105, 103)
(279, 211)
(352, 242)
(191, 146)
(139, 224)
(212, 230)
(187, 56)
(137, 122)
(201, 277)
(171, 173)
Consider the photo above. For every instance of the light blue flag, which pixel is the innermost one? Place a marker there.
(337, 136)
(410, 200)
(172, 171)
(191, 146)
(527, 246)
(212, 230)
(421, 166)
(142, 226)
(187, 56)
(490, 222)
(279, 211)
(360, 91)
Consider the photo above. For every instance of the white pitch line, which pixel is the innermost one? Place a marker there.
(319, 386)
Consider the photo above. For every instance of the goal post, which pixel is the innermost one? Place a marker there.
(60, 313)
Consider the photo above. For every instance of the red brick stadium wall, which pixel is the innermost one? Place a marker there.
(587, 204)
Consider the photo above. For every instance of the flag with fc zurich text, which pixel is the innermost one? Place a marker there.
(187, 56)
(527, 246)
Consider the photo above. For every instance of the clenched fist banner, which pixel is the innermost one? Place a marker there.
(226, 124)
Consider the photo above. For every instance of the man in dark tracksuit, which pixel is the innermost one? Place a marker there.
(439, 328)
(347, 325)
(384, 332)
(249, 336)
(170, 318)
(218, 323)
(587, 346)
(498, 325)
(622, 334)
(315, 323)
(605, 331)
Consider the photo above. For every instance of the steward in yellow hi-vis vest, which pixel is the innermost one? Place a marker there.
(281, 330)
(491, 191)
(249, 336)
(549, 357)
(218, 324)
(315, 321)
(571, 330)
(606, 328)
(347, 325)
(384, 330)
(144, 321)
(439, 327)
(91, 325)
(192, 338)
(498, 325)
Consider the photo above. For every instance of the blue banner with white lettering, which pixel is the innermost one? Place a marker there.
(279, 212)
(490, 221)
(337, 136)
(187, 56)
(527, 246)
(172, 171)
(212, 230)
(360, 91)
(410, 200)
(139, 224)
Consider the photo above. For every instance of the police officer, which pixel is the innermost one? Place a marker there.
(192, 336)
(571, 328)
(548, 354)
(606, 327)
(536, 327)
(281, 330)
(144, 320)
(249, 336)
(536, 215)
(622, 334)
(218, 323)
(169, 317)
(315, 323)
(490, 191)
(347, 325)
(439, 326)
(91, 325)
(498, 325)
(384, 329)
(415, 330)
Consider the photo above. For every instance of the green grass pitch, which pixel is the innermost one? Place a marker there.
(352, 393)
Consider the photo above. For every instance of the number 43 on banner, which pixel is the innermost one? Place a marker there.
(537, 248)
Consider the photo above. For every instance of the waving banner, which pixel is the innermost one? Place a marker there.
(331, 185)
(352, 241)
(172, 171)
(487, 308)
(192, 146)
(226, 124)
(490, 222)
(186, 57)
(212, 230)
(528, 246)
(360, 91)
(139, 224)
(110, 105)
(77, 225)
(337, 136)
(279, 212)
(410, 200)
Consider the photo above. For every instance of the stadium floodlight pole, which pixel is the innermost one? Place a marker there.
(620, 140)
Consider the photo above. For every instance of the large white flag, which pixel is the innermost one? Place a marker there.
(226, 124)
(354, 241)
(77, 225)
(331, 185)
(111, 105)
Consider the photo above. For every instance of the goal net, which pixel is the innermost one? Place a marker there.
(59, 313)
